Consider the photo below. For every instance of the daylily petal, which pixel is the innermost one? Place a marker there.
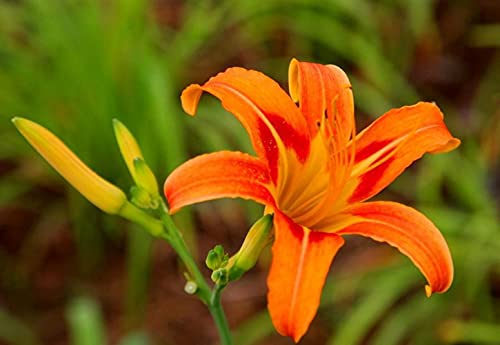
(265, 110)
(412, 233)
(218, 175)
(392, 142)
(319, 88)
(300, 264)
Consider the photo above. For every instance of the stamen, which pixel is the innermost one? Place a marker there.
(374, 160)
(340, 164)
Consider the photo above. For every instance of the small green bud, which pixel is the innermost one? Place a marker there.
(256, 240)
(216, 258)
(219, 250)
(225, 260)
(212, 261)
(220, 276)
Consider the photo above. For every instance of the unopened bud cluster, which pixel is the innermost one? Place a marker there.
(217, 261)
(227, 269)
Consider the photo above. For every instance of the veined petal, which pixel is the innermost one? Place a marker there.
(319, 89)
(392, 142)
(265, 110)
(412, 233)
(300, 264)
(218, 175)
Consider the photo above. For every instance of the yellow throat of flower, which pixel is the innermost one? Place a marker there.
(314, 191)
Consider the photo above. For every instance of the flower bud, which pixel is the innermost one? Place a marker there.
(145, 178)
(220, 276)
(256, 240)
(216, 258)
(128, 145)
(140, 171)
(98, 191)
(212, 261)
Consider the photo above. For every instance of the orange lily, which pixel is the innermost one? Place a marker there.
(314, 173)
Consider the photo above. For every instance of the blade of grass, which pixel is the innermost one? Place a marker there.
(138, 270)
(404, 321)
(470, 332)
(254, 330)
(85, 322)
(371, 306)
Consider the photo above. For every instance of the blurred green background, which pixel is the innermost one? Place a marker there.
(71, 275)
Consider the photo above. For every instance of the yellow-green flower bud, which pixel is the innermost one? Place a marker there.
(97, 190)
(144, 177)
(257, 239)
(128, 145)
(140, 171)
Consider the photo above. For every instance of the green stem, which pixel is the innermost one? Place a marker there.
(133, 213)
(218, 315)
(177, 242)
(167, 230)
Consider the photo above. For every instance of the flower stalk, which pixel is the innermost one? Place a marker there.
(147, 209)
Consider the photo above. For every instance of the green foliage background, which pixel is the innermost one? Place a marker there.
(73, 65)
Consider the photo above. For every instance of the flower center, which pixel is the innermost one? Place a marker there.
(306, 184)
(314, 192)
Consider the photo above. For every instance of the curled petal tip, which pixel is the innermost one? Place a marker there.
(452, 144)
(428, 291)
(293, 79)
(190, 98)
(412, 233)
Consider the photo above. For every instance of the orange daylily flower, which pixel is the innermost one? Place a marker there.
(315, 174)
